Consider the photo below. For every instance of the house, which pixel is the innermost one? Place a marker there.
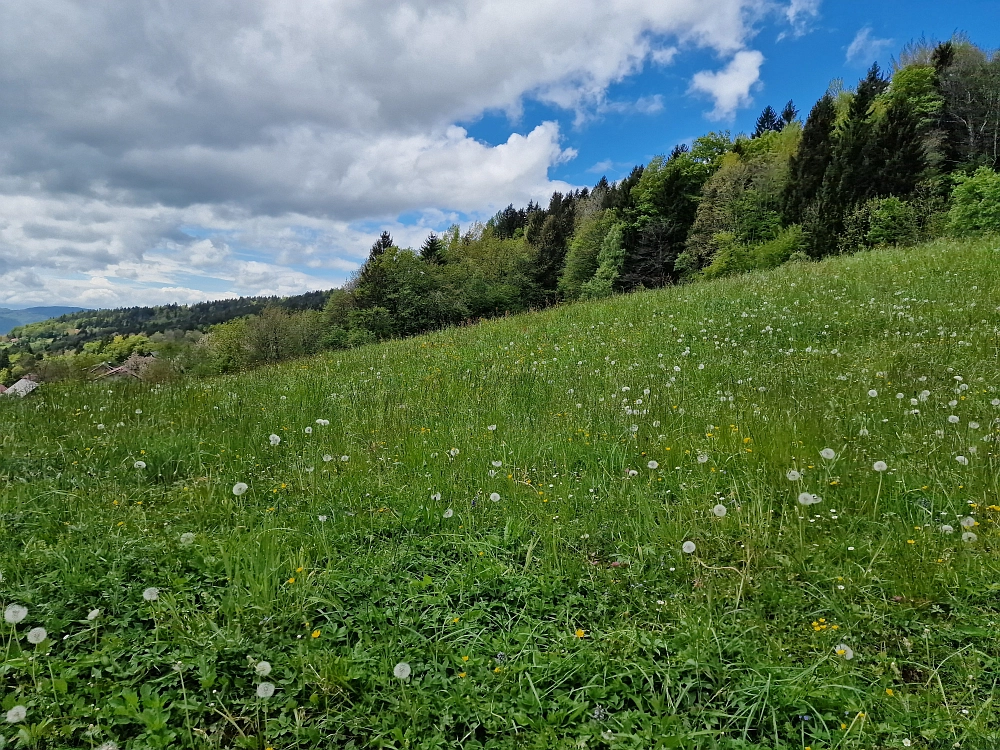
(21, 388)
(133, 367)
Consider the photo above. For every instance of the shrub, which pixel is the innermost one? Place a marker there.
(975, 207)
(879, 222)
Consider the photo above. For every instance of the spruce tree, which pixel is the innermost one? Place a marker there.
(767, 122)
(789, 113)
(383, 243)
(808, 165)
(896, 155)
(431, 250)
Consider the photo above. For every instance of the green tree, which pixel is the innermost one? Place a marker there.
(432, 250)
(810, 162)
(767, 122)
(975, 205)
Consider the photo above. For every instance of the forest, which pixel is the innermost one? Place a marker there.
(902, 157)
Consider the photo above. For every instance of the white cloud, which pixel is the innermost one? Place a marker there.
(275, 132)
(865, 48)
(800, 13)
(730, 87)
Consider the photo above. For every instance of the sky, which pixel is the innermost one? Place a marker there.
(154, 152)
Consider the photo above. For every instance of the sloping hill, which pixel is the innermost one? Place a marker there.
(10, 319)
(758, 512)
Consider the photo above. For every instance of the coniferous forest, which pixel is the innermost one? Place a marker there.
(903, 156)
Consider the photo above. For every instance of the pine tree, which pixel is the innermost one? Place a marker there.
(432, 249)
(808, 165)
(767, 122)
(550, 236)
(383, 243)
(896, 153)
(789, 113)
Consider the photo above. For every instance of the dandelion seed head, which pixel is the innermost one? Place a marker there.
(495, 497)
(15, 613)
(953, 419)
(345, 459)
(703, 458)
(36, 636)
(16, 714)
(880, 466)
(653, 465)
(720, 510)
(688, 547)
(448, 513)
(872, 393)
(828, 453)
(263, 668)
(793, 475)
(187, 538)
(265, 690)
(239, 488)
(274, 439)
(947, 528)
(970, 537)
(139, 465)
(151, 594)
(401, 670)
(962, 460)
(309, 430)
(968, 522)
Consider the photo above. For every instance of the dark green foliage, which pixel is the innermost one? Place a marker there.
(810, 162)
(768, 122)
(430, 251)
(976, 204)
(550, 237)
(789, 113)
(880, 222)
(383, 243)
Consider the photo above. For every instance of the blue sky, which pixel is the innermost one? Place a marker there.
(153, 154)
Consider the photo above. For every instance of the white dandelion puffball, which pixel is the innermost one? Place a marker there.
(139, 465)
(322, 422)
(93, 614)
(265, 690)
(36, 636)
(14, 613)
(187, 538)
(828, 453)
(953, 419)
(491, 428)
(703, 458)
(109, 745)
(880, 466)
(322, 519)
(793, 475)
(947, 529)
(496, 464)
(274, 439)
(806, 498)
(720, 510)
(401, 670)
(239, 488)
(327, 458)
(970, 537)
(962, 460)
(138, 411)
(863, 432)
(345, 459)
(872, 393)
(16, 714)
(688, 547)
(151, 594)
(653, 465)
(633, 473)
(436, 496)
(844, 651)
(309, 430)
(263, 668)
(495, 497)
(968, 522)
(448, 513)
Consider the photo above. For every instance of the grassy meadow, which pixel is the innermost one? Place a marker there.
(760, 512)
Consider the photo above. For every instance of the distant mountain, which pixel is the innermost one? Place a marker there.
(12, 318)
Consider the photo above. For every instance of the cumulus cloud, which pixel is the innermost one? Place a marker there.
(277, 131)
(865, 48)
(730, 87)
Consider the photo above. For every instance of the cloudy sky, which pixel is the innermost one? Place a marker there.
(156, 152)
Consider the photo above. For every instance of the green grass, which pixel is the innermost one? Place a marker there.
(733, 646)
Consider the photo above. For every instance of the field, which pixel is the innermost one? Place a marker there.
(760, 512)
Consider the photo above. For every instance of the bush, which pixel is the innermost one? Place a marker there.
(735, 257)
(880, 222)
(975, 207)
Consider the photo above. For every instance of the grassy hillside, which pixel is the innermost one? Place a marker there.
(504, 508)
